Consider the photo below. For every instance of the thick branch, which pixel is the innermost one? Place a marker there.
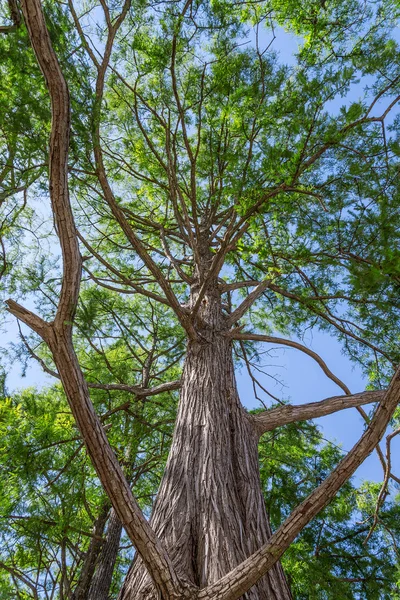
(327, 372)
(29, 318)
(110, 472)
(58, 160)
(236, 583)
(283, 415)
(247, 303)
(15, 15)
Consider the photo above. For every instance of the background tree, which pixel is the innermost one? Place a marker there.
(210, 181)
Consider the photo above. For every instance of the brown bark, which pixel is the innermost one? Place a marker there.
(110, 472)
(81, 590)
(210, 510)
(15, 16)
(269, 420)
(102, 579)
(249, 571)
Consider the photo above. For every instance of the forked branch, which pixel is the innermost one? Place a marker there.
(264, 417)
(236, 335)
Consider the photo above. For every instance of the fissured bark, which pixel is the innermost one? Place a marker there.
(210, 512)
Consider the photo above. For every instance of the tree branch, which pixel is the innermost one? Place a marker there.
(247, 303)
(269, 420)
(116, 210)
(58, 335)
(58, 161)
(28, 317)
(328, 373)
(15, 15)
(236, 583)
(236, 335)
(229, 287)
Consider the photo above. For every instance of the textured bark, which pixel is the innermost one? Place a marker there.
(101, 582)
(231, 586)
(209, 516)
(269, 420)
(82, 589)
(110, 472)
(210, 512)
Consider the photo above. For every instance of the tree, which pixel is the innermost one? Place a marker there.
(200, 174)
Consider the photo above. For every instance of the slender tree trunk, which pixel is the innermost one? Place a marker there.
(210, 511)
(82, 589)
(101, 582)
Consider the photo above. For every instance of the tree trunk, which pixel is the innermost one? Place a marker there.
(101, 582)
(210, 510)
(82, 589)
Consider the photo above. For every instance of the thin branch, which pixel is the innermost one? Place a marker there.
(132, 389)
(384, 489)
(236, 335)
(16, 573)
(230, 287)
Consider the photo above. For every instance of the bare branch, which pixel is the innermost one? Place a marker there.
(58, 161)
(269, 420)
(330, 320)
(328, 373)
(137, 390)
(236, 335)
(22, 577)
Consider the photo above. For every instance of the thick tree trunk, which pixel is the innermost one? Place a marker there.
(210, 511)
